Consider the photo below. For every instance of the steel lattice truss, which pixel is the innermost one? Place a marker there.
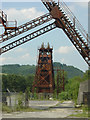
(60, 80)
(69, 24)
(44, 77)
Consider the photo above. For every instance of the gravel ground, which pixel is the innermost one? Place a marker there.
(62, 110)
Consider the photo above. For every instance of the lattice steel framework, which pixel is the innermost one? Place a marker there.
(66, 20)
(60, 80)
(44, 78)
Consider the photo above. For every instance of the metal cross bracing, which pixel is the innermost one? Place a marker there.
(64, 19)
(44, 77)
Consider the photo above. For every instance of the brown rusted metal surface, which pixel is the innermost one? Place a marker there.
(56, 14)
(27, 38)
(25, 27)
(44, 78)
(73, 29)
(4, 22)
(70, 25)
(3, 18)
(60, 80)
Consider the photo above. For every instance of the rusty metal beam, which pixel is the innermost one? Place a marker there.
(77, 37)
(27, 38)
(25, 27)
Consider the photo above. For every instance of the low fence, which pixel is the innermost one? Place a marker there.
(12, 99)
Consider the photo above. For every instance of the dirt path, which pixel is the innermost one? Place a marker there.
(62, 110)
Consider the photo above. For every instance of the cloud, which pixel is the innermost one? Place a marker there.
(22, 15)
(20, 50)
(65, 49)
(62, 60)
(26, 56)
(2, 59)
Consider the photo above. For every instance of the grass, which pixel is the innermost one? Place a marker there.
(8, 109)
(84, 114)
(24, 109)
(62, 101)
(81, 115)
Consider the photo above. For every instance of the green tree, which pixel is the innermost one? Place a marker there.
(86, 75)
(29, 82)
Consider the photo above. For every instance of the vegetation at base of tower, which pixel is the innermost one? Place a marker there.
(19, 83)
(72, 87)
(55, 96)
(16, 108)
(85, 110)
(35, 94)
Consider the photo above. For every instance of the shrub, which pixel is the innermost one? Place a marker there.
(63, 96)
(6, 108)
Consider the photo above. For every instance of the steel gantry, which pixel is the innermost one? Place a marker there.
(63, 18)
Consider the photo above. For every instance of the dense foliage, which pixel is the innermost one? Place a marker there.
(72, 87)
(30, 69)
(17, 83)
(71, 70)
(18, 69)
(20, 78)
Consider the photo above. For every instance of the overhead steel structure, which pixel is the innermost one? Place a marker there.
(8, 25)
(63, 18)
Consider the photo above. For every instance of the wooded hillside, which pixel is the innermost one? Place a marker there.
(30, 69)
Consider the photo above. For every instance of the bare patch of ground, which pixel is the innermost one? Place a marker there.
(50, 109)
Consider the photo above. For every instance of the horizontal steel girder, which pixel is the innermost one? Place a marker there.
(27, 38)
(25, 27)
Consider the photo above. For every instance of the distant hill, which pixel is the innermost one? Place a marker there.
(71, 70)
(30, 69)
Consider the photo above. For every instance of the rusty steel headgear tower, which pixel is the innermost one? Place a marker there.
(44, 78)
